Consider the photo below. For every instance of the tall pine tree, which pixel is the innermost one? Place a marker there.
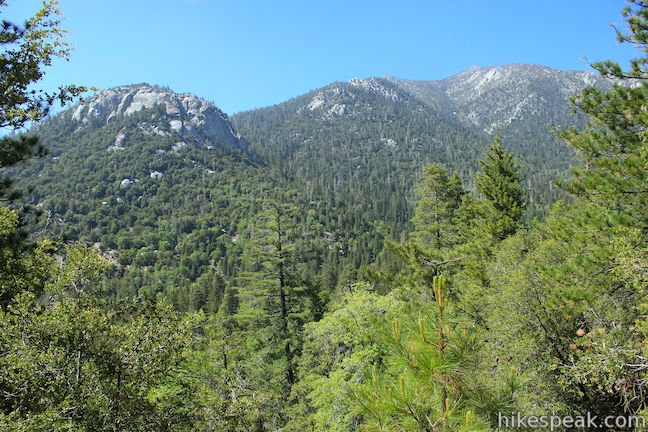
(500, 185)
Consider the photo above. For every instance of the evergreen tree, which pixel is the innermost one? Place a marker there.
(438, 199)
(25, 50)
(611, 227)
(268, 287)
(483, 224)
(500, 184)
(427, 377)
(272, 303)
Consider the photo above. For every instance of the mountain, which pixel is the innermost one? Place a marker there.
(524, 104)
(496, 98)
(357, 147)
(161, 182)
(365, 140)
(167, 185)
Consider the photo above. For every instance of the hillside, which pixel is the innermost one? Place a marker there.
(497, 99)
(378, 254)
(359, 147)
(147, 173)
(161, 182)
(524, 104)
(364, 141)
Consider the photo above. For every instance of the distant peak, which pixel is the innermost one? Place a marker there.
(492, 97)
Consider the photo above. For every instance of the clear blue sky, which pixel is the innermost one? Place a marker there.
(243, 54)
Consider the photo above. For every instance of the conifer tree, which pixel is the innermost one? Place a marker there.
(499, 184)
(271, 303)
(483, 223)
(438, 199)
(25, 51)
(612, 222)
(424, 382)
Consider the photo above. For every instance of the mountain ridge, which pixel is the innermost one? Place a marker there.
(355, 149)
(492, 97)
(133, 171)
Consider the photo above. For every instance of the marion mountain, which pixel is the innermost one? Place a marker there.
(164, 183)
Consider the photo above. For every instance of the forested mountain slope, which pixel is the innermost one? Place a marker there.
(514, 96)
(367, 139)
(298, 315)
(160, 181)
(149, 174)
(359, 147)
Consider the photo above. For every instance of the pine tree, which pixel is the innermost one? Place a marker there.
(500, 185)
(438, 199)
(272, 307)
(611, 187)
(424, 382)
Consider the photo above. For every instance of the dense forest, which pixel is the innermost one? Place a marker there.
(386, 270)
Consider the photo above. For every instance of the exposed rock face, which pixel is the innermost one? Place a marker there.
(377, 86)
(184, 114)
(120, 140)
(389, 142)
(332, 100)
(126, 183)
(491, 98)
(156, 175)
(351, 98)
(179, 146)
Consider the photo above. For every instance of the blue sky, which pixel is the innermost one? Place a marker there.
(243, 54)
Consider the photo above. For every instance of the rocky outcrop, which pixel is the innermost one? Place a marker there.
(126, 183)
(186, 115)
(351, 98)
(156, 175)
(491, 98)
(120, 141)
